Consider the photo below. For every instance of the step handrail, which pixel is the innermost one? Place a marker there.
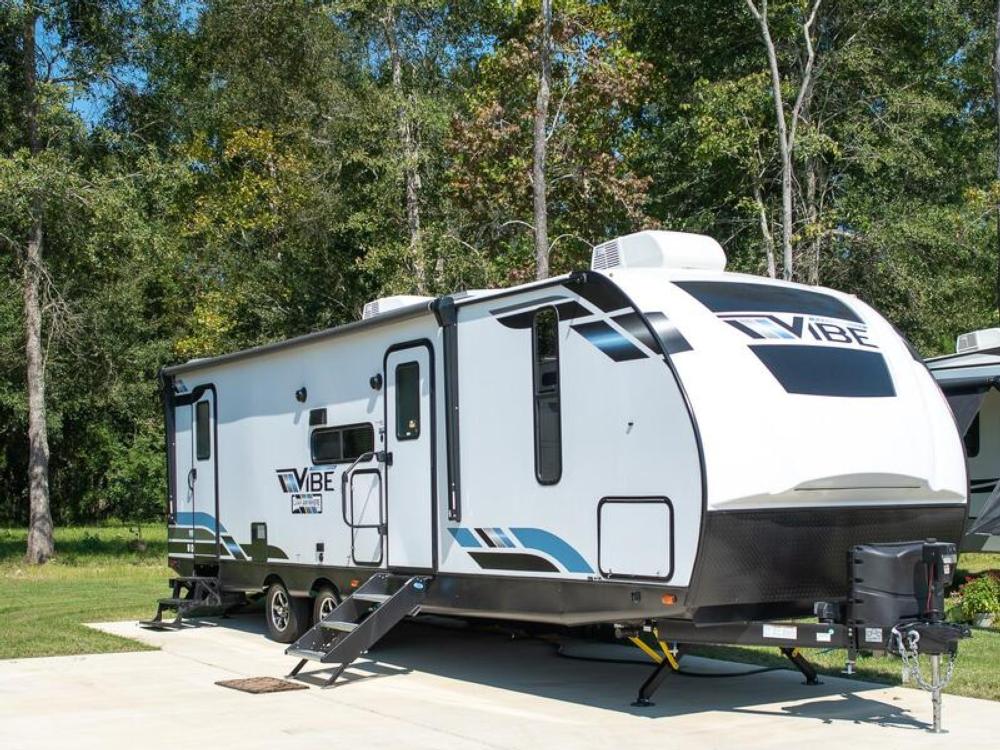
(347, 492)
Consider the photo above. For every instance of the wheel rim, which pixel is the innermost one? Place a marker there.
(280, 610)
(326, 606)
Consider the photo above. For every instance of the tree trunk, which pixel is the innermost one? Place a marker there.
(538, 162)
(783, 141)
(408, 146)
(996, 110)
(786, 132)
(812, 217)
(765, 230)
(40, 543)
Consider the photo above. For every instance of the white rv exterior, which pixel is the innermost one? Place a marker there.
(970, 378)
(656, 438)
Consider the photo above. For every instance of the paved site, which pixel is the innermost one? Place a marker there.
(438, 687)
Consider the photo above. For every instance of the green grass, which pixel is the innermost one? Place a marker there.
(977, 673)
(96, 576)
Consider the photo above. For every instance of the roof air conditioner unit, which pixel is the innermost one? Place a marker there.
(978, 341)
(385, 304)
(658, 249)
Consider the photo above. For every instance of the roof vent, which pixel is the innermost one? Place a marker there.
(978, 341)
(385, 304)
(605, 255)
(658, 249)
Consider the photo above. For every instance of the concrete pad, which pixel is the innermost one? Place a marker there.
(435, 687)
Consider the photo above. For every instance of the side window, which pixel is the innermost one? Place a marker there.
(408, 401)
(333, 445)
(203, 430)
(548, 429)
(972, 439)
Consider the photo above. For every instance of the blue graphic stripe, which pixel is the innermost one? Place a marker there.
(609, 341)
(464, 537)
(234, 549)
(199, 519)
(503, 538)
(550, 544)
(771, 329)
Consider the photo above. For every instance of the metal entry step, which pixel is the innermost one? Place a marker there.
(358, 622)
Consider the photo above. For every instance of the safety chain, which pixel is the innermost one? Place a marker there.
(911, 661)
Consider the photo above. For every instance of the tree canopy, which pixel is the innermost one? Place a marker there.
(214, 175)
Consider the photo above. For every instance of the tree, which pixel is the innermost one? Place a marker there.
(787, 124)
(62, 49)
(40, 539)
(539, 142)
(408, 147)
(996, 112)
(495, 149)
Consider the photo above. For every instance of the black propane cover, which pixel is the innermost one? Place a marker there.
(900, 582)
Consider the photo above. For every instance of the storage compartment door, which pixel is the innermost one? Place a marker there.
(635, 538)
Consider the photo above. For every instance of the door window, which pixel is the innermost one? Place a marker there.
(407, 401)
(548, 430)
(203, 431)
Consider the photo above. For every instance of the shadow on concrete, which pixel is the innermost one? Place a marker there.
(532, 666)
(851, 708)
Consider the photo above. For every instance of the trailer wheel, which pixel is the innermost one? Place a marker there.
(287, 616)
(325, 602)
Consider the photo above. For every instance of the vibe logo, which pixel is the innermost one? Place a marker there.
(304, 480)
(305, 488)
(800, 328)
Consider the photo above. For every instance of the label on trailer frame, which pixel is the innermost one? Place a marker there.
(873, 635)
(784, 632)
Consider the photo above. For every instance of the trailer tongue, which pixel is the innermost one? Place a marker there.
(895, 604)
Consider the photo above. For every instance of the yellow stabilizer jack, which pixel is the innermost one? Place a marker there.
(637, 641)
(667, 653)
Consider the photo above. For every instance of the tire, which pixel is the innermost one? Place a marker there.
(287, 616)
(326, 599)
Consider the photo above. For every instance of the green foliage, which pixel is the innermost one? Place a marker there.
(238, 177)
(980, 595)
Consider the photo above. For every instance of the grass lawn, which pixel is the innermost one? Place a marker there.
(977, 673)
(97, 576)
(94, 577)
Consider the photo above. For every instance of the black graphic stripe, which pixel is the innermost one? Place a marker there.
(485, 537)
(605, 297)
(512, 561)
(566, 311)
(528, 303)
(673, 340)
(731, 296)
(636, 327)
(609, 341)
(572, 310)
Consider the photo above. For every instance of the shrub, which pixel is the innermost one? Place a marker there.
(981, 595)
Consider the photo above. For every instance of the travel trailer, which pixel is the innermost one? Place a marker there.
(654, 444)
(969, 379)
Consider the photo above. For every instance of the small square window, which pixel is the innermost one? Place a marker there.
(334, 445)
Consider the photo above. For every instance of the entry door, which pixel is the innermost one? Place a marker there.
(409, 439)
(181, 532)
(201, 478)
